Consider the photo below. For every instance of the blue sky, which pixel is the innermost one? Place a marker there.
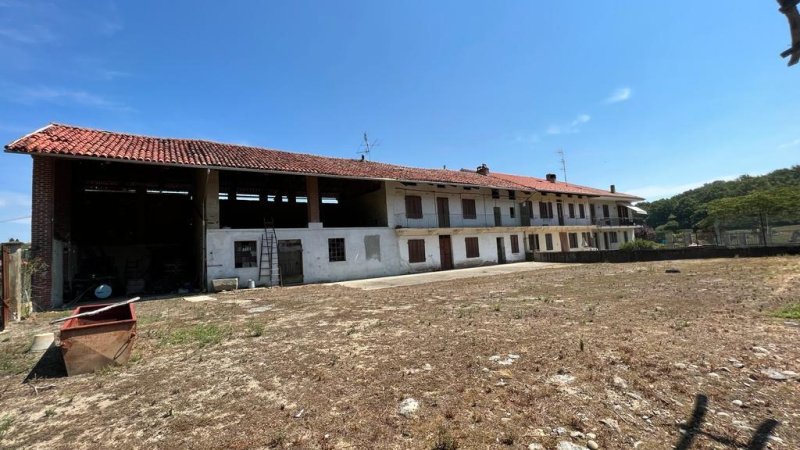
(652, 98)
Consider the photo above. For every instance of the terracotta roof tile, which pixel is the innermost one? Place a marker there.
(542, 185)
(66, 140)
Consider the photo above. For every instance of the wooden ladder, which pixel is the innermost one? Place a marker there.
(268, 268)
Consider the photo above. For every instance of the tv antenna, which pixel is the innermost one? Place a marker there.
(367, 147)
(563, 163)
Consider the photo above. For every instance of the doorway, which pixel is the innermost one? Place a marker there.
(290, 261)
(443, 211)
(560, 209)
(446, 252)
(605, 241)
(498, 218)
(501, 251)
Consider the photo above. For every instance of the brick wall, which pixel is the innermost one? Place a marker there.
(42, 229)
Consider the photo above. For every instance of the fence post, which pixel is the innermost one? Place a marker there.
(13, 302)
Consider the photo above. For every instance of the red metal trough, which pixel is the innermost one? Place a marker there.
(92, 342)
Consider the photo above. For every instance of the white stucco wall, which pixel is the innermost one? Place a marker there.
(487, 249)
(484, 205)
(316, 266)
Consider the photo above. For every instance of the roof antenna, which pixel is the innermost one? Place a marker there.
(563, 163)
(367, 147)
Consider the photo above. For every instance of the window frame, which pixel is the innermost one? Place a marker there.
(471, 212)
(472, 243)
(613, 238)
(534, 243)
(413, 207)
(514, 243)
(333, 250)
(416, 251)
(240, 253)
(573, 240)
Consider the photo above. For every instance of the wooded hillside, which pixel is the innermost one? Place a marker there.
(691, 207)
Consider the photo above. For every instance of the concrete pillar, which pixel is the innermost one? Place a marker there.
(312, 192)
(212, 200)
(15, 305)
(42, 230)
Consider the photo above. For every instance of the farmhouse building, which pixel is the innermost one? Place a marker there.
(151, 215)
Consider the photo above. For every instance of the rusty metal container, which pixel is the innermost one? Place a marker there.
(92, 342)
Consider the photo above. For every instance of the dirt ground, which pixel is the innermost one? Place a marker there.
(615, 353)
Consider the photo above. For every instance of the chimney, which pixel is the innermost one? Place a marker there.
(483, 169)
(613, 189)
(551, 177)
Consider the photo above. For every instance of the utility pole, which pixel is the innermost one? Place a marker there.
(563, 163)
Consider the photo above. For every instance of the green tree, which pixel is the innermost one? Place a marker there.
(775, 203)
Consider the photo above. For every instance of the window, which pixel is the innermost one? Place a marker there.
(587, 239)
(495, 193)
(546, 210)
(413, 207)
(416, 250)
(468, 208)
(605, 211)
(245, 254)
(512, 195)
(472, 247)
(548, 241)
(571, 210)
(625, 236)
(336, 249)
(533, 242)
(573, 240)
(581, 211)
(514, 243)
(511, 212)
(613, 237)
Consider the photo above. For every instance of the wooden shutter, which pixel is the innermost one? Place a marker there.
(416, 250)
(468, 208)
(413, 207)
(514, 243)
(472, 247)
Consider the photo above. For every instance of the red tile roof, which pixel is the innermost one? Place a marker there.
(542, 185)
(66, 140)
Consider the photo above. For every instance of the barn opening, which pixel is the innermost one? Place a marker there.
(134, 227)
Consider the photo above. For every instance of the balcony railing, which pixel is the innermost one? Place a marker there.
(618, 222)
(430, 220)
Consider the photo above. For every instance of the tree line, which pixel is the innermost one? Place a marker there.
(776, 194)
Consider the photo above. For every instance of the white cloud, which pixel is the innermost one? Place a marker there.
(63, 96)
(620, 95)
(570, 128)
(527, 138)
(35, 34)
(14, 200)
(655, 192)
(790, 144)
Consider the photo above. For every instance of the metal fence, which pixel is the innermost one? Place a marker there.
(741, 232)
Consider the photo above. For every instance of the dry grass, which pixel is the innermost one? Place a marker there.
(327, 366)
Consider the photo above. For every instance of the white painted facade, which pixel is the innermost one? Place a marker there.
(498, 215)
(316, 266)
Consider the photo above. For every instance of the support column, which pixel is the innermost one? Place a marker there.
(42, 230)
(212, 200)
(312, 192)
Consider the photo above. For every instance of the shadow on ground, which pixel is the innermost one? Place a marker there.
(50, 365)
(693, 429)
